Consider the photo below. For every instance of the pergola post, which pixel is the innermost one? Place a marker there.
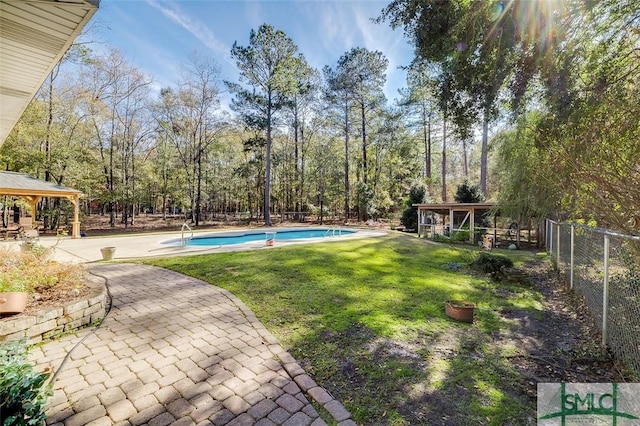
(471, 225)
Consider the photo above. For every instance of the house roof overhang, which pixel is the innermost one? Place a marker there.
(34, 35)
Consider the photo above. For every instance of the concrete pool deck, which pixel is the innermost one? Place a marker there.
(87, 249)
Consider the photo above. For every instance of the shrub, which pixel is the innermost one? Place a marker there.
(461, 236)
(32, 270)
(417, 195)
(492, 264)
(23, 391)
(366, 199)
(467, 193)
(442, 238)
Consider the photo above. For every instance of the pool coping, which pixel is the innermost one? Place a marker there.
(136, 246)
(264, 231)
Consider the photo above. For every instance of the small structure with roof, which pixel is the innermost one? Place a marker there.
(473, 222)
(32, 189)
(454, 218)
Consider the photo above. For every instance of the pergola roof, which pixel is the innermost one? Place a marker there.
(34, 35)
(425, 210)
(21, 184)
(445, 208)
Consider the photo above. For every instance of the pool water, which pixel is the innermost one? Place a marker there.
(298, 234)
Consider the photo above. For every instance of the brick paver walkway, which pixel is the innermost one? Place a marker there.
(177, 351)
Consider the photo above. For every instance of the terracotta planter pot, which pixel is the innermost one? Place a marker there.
(459, 310)
(270, 238)
(13, 302)
(108, 252)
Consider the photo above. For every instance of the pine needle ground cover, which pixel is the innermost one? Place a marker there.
(365, 318)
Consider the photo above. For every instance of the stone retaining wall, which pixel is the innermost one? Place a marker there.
(51, 322)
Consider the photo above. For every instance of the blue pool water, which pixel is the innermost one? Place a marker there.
(237, 238)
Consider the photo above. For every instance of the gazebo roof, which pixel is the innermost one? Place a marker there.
(23, 185)
(32, 189)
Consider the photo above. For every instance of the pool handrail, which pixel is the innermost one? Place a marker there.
(332, 231)
(183, 240)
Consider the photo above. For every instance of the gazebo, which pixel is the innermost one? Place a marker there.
(32, 190)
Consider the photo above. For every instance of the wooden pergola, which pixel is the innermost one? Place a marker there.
(451, 211)
(32, 189)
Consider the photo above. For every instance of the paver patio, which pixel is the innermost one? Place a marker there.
(177, 350)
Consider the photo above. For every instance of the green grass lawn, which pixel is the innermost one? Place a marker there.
(366, 319)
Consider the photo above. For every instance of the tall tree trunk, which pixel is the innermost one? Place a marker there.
(465, 161)
(346, 162)
(426, 134)
(125, 182)
(483, 155)
(112, 202)
(444, 159)
(267, 173)
(364, 145)
(296, 168)
(133, 188)
(199, 180)
(301, 177)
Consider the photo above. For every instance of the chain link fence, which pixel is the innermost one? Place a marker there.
(604, 268)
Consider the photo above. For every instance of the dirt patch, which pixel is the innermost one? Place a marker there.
(58, 295)
(563, 343)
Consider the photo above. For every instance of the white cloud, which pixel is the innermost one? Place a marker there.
(254, 14)
(193, 25)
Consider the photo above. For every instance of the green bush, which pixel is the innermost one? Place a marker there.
(467, 193)
(417, 195)
(23, 391)
(492, 264)
(460, 235)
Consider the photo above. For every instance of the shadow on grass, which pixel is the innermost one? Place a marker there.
(366, 319)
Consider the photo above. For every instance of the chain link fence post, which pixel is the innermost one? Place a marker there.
(558, 244)
(605, 291)
(573, 237)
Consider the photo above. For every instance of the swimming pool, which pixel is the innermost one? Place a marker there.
(261, 236)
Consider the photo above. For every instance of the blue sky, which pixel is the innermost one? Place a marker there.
(157, 36)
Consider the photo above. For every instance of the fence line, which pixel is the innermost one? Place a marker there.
(604, 268)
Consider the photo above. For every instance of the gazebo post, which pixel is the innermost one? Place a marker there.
(33, 201)
(75, 228)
